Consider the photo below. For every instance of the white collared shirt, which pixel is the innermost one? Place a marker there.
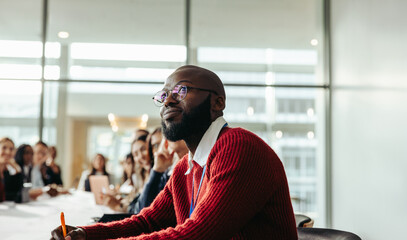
(206, 144)
(36, 177)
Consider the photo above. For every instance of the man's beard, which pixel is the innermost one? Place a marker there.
(195, 122)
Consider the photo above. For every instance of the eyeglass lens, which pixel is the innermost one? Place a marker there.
(178, 93)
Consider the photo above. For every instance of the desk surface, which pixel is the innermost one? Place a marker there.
(36, 219)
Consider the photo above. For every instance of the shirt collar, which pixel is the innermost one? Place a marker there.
(206, 144)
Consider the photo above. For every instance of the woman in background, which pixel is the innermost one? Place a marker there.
(52, 172)
(41, 154)
(143, 164)
(98, 168)
(129, 175)
(165, 158)
(153, 142)
(39, 158)
(11, 181)
(24, 158)
(144, 161)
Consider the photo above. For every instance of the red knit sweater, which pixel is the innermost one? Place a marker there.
(244, 195)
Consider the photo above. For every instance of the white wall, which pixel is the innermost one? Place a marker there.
(369, 74)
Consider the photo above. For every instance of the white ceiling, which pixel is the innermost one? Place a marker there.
(227, 23)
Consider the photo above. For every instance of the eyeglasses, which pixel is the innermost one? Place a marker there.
(178, 93)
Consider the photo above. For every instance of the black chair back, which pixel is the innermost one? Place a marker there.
(325, 234)
(301, 219)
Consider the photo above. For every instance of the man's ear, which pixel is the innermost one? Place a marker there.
(219, 103)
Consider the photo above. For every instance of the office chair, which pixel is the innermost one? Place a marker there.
(303, 221)
(325, 234)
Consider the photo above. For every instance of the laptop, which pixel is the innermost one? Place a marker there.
(99, 184)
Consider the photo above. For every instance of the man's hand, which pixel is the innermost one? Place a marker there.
(73, 233)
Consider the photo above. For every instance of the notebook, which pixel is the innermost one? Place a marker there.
(98, 185)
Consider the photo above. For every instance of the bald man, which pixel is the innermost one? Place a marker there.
(231, 184)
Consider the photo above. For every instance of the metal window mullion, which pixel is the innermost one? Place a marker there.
(188, 30)
(323, 86)
(44, 40)
(328, 111)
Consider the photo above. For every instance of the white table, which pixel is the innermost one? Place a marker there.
(36, 219)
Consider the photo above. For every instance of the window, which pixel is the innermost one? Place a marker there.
(270, 60)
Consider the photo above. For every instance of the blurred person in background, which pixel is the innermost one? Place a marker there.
(166, 156)
(11, 180)
(98, 168)
(143, 164)
(39, 158)
(153, 141)
(138, 133)
(129, 175)
(41, 154)
(24, 158)
(51, 172)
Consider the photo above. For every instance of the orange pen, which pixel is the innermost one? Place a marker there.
(63, 224)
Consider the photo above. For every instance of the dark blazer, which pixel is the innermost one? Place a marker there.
(12, 186)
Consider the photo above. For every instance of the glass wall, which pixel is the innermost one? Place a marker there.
(273, 45)
(20, 58)
(110, 58)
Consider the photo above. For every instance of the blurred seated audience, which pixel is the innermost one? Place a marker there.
(143, 164)
(165, 159)
(98, 168)
(51, 172)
